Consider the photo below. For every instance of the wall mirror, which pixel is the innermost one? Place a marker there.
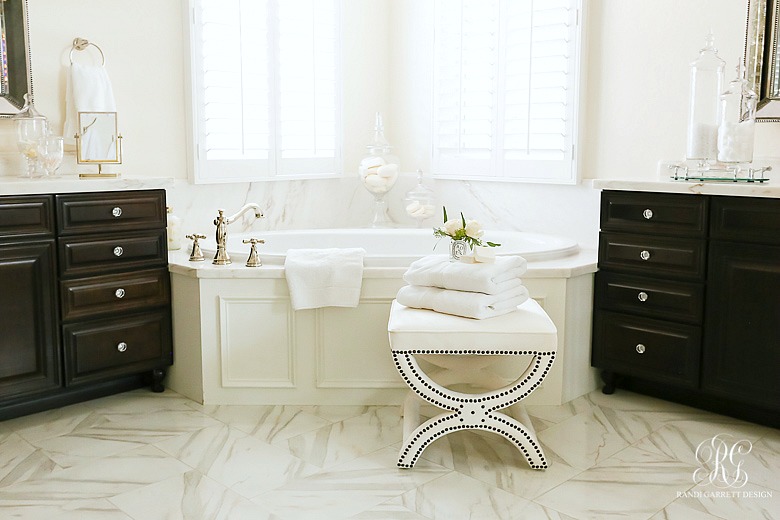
(98, 140)
(15, 68)
(762, 59)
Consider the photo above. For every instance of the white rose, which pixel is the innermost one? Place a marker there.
(474, 229)
(452, 226)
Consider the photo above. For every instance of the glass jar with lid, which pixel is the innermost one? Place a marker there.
(379, 171)
(706, 84)
(420, 201)
(737, 128)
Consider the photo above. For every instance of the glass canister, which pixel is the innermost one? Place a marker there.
(706, 84)
(379, 171)
(420, 201)
(737, 128)
(173, 230)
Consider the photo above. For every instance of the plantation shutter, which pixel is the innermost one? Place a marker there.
(505, 79)
(266, 88)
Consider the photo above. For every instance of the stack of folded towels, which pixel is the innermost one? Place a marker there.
(472, 290)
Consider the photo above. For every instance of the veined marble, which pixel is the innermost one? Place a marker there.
(617, 456)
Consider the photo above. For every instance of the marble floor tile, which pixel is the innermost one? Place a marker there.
(634, 483)
(393, 508)
(597, 439)
(339, 442)
(20, 461)
(100, 509)
(237, 460)
(679, 511)
(52, 423)
(267, 423)
(748, 502)
(190, 495)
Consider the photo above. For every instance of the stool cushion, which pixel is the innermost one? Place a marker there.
(527, 328)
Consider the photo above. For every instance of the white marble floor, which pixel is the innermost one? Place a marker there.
(146, 456)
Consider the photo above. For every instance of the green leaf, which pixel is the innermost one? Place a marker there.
(445, 213)
(492, 244)
(463, 219)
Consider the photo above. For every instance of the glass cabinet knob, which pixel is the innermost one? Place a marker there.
(122, 346)
(640, 348)
(117, 211)
(644, 255)
(119, 293)
(118, 251)
(648, 213)
(642, 296)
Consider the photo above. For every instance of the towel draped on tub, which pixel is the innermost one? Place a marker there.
(324, 277)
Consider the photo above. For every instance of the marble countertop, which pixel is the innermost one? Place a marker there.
(583, 262)
(73, 183)
(736, 189)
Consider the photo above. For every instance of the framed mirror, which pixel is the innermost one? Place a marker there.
(15, 67)
(762, 59)
(98, 141)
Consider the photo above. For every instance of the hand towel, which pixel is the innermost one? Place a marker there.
(438, 271)
(324, 277)
(88, 89)
(461, 303)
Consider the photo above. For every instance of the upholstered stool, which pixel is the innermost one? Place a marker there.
(466, 348)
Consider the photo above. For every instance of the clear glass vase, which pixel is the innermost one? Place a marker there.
(737, 128)
(706, 85)
(379, 171)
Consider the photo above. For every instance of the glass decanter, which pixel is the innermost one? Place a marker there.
(706, 85)
(30, 128)
(736, 132)
(379, 172)
(420, 201)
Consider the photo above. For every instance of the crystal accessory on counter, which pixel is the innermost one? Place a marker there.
(379, 172)
(51, 150)
(173, 230)
(31, 126)
(737, 127)
(721, 173)
(420, 201)
(706, 85)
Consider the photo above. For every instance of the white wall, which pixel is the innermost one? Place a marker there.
(633, 115)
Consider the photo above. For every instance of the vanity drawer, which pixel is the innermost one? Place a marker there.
(678, 301)
(654, 256)
(22, 216)
(110, 211)
(124, 292)
(658, 350)
(110, 347)
(654, 213)
(746, 219)
(80, 256)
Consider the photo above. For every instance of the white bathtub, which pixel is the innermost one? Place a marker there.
(391, 247)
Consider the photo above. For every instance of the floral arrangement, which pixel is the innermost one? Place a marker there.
(469, 231)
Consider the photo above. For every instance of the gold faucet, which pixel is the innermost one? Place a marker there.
(222, 222)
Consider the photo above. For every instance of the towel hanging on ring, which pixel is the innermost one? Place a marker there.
(88, 89)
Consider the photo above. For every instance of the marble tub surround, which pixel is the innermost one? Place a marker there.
(145, 456)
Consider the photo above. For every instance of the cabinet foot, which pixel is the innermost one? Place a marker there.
(157, 377)
(609, 382)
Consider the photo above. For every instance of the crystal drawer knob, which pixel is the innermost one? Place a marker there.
(642, 296)
(648, 213)
(640, 348)
(121, 347)
(119, 293)
(645, 255)
(118, 251)
(117, 212)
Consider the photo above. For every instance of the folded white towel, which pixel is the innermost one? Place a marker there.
(324, 277)
(438, 271)
(462, 303)
(88, 89)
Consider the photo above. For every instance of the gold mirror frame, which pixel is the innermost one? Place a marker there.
(98, 141)
(762, 59)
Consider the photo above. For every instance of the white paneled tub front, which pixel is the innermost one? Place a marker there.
(238, 341)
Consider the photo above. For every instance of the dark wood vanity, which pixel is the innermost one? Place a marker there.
(687, 300)
(84, 297)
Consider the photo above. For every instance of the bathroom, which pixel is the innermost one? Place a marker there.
(632, 114)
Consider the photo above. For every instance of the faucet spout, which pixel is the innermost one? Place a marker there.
(222, 222)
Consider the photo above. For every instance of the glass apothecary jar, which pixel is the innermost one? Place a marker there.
(420, 201)
(706, 85)
(379, 171)
(737, 128)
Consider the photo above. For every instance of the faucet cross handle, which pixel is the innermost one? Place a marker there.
(253, 260)
(196, 255)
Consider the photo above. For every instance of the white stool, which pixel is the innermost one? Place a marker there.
(466, 347)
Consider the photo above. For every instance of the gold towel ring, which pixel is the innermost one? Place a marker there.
(79, 44)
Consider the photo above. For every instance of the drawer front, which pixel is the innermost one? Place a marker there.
(110, 211)
(677, 301)
(97, 295)
(653, 256)
(22, 216)
(82, 256)
(110, 347)
(746, 219)
(654, 213)
(653, 349)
